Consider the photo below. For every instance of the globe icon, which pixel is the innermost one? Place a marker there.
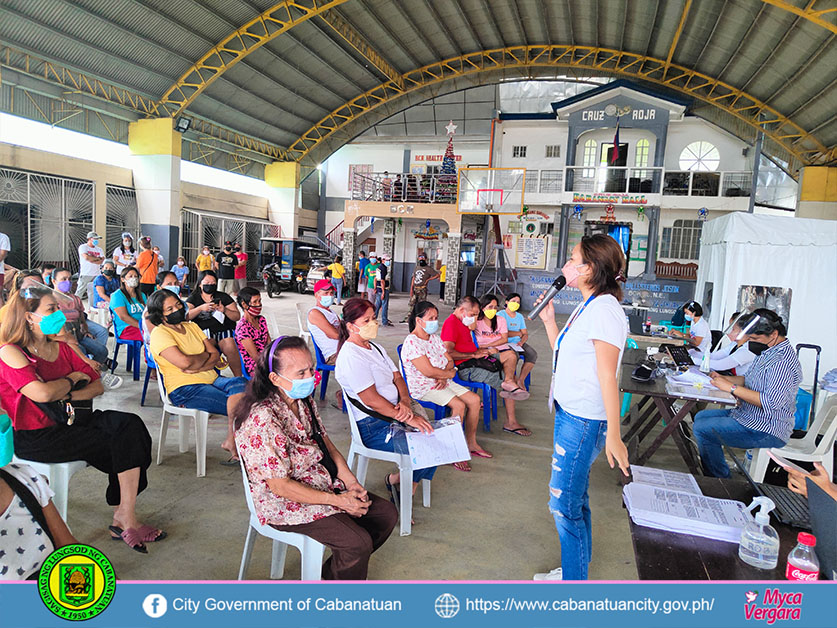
(447, 606)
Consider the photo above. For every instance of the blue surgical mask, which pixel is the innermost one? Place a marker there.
(431, 327)
(52, 323)
(7, 444)
(387, 263)
(326, 300)
(95, 243)
(689, 317)
(175, 289)
(300, 388)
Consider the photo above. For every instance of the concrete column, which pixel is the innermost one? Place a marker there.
(156, 167)
(817, 193)
(452, 261)
(349, 258)
(563, 235)
(389, 239)
(283, 199)
(653, 216)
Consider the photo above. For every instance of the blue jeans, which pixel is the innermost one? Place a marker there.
(374, 432)
(711, 426)
(578, 442)
(96, 347)
(210, 398)
(382, 303)
(338, 288)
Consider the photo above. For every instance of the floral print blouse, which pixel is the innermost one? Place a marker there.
(275, 444)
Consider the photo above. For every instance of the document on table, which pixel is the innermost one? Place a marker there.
(663, 478)
(693, 377)
(685, 513)
(701, 393)
(444, 446)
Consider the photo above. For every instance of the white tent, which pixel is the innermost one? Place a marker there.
(742, 249)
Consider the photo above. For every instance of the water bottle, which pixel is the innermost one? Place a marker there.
(648, 325)
(704, 363)
(759, 545)
(802, 561)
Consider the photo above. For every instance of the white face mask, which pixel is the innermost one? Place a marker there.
(469, 320)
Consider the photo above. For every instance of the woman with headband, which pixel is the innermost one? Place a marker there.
(298, 479)
(186, 359)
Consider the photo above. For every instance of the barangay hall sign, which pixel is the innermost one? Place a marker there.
(606, 198)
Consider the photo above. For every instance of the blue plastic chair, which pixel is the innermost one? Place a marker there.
(134, 352)
(244, 372)
(626, 397)
(438, 411)
(489, 400)
(149, 366)
(324, 369)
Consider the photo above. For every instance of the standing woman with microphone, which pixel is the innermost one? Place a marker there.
(585, 394)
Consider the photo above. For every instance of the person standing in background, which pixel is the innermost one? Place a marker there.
(240, 268)
(204, 261)
(443, 273)
(161, 262)
(181, 271)
(371, 274)
(362, 263)
(225, 263)
(422, 276)
(148, 267)
(125, 254)
(5, 247)
(382, 290)
(90, 257)
(337, 275)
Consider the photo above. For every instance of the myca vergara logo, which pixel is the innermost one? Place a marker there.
(76, 582)
(775, 606)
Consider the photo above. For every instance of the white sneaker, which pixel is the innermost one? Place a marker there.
(555, 574)
(111, 381)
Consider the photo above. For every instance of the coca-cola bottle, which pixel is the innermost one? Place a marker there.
(802, 561)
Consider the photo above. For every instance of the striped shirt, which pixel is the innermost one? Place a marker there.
(775, 375)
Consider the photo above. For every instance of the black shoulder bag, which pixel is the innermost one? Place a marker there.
(317, 433)
(64, 412)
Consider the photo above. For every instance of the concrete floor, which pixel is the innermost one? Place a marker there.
(490, 524)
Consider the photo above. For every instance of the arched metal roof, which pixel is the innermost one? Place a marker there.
(299, 78)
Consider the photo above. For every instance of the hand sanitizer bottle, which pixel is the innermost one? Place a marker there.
(759, 545)
(704, 363)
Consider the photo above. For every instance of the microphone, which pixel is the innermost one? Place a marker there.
(559, 283)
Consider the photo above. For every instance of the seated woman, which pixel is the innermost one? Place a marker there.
(251, 332)
(518, 335)
(430, 372)
(128, 304)
(369, 377)
(216, 314)
(734, 357)
(38, 378)
(298, 479)
(767, 398)
(699, 337)
(492, 333)
(105, 285)
(166, 280)
(186, 359)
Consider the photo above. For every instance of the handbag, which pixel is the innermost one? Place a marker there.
(64, 412)
(492, 365)
(327, 461)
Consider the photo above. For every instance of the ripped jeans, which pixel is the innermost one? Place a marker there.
(578, 442)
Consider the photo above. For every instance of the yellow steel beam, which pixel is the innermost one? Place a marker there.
(359, 43)
(809, 13)
(786, 133)
(278, 19)
(679, 30)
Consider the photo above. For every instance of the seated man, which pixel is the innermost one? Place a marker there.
(767, 398)
(456, 334)
(323, 323)
(105, 285)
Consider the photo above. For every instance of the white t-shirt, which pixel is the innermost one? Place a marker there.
(89, 269)
(127, 258)
(414, 347)
(26, 545)
(576, 382)
(701, 329)
(357, 369)
(5, 245)
(328, 346)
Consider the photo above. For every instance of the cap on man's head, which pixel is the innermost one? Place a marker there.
(373, 254)
(323, 284)
(93, 234)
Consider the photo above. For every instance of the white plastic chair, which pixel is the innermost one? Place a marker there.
(301, 319)
(311, 551)
(405, 468)
(806, 448)
(201, 419)
(58, 475)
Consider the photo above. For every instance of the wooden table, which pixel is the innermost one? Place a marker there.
(656, 405)
(662, 555)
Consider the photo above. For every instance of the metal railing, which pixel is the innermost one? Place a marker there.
(616, 179)
(697, 183)
(404, 187)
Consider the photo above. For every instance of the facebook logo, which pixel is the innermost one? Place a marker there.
(155, 605)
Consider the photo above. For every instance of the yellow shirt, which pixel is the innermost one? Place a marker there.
(443, 271)
(190, 343)
(204, 262)
(337, 270)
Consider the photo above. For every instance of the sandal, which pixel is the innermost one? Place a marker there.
(462, 466)
(131, 537)
(481, 453)
(150, 534)
(232, 462)
(519, 431)
(394, 492)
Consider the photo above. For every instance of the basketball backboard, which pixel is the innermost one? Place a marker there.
(490, 190)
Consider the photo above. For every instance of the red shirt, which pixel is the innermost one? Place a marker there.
(241, 271)
(455, 331)
(25, 414)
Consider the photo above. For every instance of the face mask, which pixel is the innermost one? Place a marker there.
(387, 263)
(431, 327)
(422, 263)
(237, 249)
(490, 313)
(176, 317)
(373, 260)
(757, 348)
(512, 306)
(368, 331)
(180, 262)
(327, 300)
(132, 282)
(206, 251)
(300, 388)
(52, 323)
(64, 286)
(570, 271)
(108, 272)
(95, 243)
(7, 445)
(254, 310)
(209, 288)
(469, 320)
(174, 289)
(689, 317)
(127, 243)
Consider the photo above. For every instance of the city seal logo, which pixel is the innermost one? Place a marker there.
(76, 582)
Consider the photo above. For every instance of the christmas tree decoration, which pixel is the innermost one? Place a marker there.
(446, 185)
(577, 211)
(703, 214)
(640, 212)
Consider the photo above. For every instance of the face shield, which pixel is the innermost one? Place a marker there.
(66, 304)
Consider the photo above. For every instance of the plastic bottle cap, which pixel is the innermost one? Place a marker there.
(807, 539)
(762, 518)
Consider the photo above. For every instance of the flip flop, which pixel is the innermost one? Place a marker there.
(394, 493)
(131, 537)
(518, 431)
(481, 453)
(462, 466)
(518, 394)
(232, 462)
